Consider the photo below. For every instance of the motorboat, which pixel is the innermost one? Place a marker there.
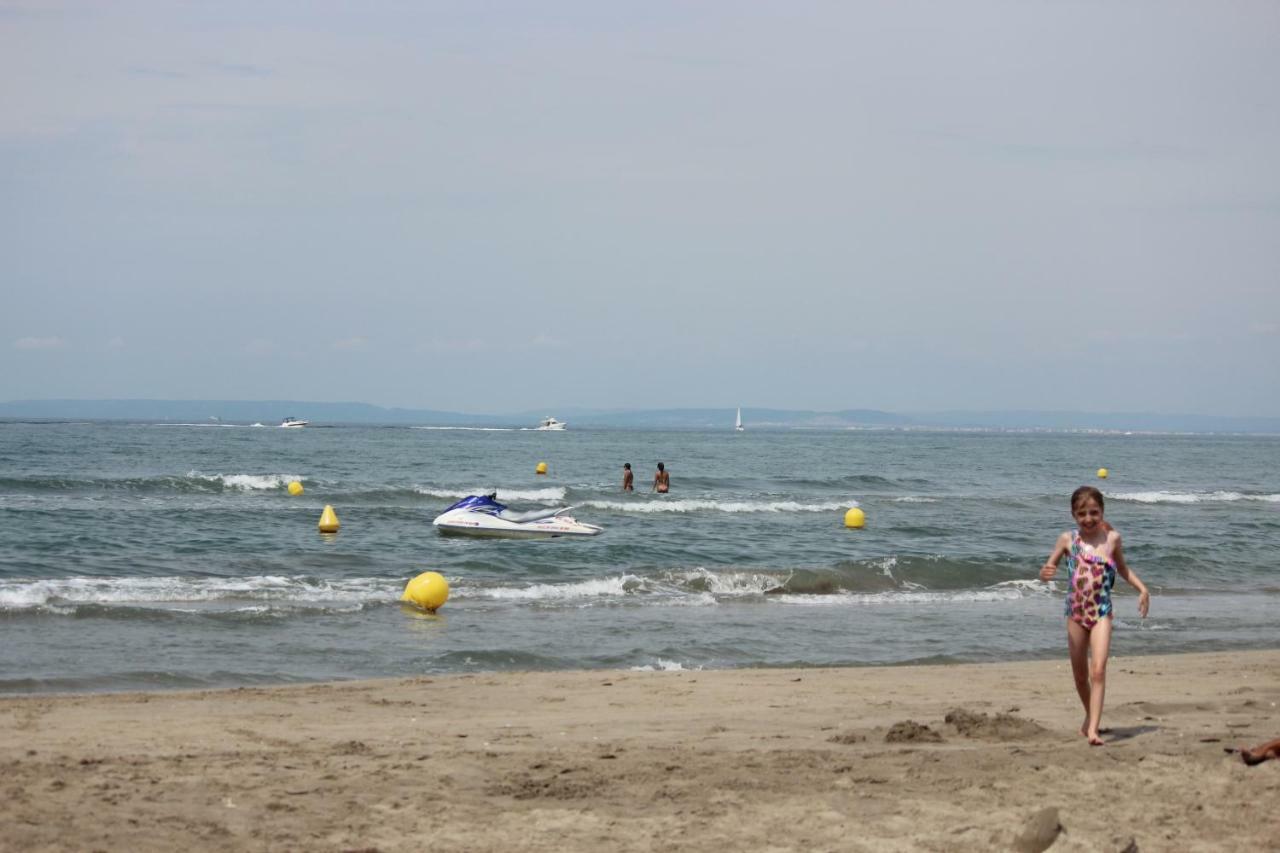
(483, 515)
(293, 422)
(550, 423)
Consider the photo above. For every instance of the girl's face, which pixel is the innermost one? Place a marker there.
(1088, 515)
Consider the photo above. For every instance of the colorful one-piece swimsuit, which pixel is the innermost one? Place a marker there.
(1089, 585)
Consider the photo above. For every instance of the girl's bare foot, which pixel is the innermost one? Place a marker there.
(1094, 740)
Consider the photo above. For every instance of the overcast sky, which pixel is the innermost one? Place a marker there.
(492, 207)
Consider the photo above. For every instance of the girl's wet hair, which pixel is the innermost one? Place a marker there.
(1083, 493)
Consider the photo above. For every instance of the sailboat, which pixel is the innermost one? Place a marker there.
(738, 423)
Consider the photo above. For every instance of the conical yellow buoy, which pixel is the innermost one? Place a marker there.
(541, 469)
(428, 590)
(295, 488)
(1102, 473)
(855, 518)
(328, 520)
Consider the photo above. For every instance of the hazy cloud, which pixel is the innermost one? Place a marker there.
(894, 204)
(241, 70)
(39, 343)
(160, 73)
(458, 345)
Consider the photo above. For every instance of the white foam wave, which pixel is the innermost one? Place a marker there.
(727, 584)
(696, 505)
(247, 482)
(22, 595)
(1163, 497)
(663, 666)
(886, 565)
(1025, 587)
(914, 499)
(909, 596)
(596, 588)
(552, 494)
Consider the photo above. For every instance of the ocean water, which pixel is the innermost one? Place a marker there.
(172, 556)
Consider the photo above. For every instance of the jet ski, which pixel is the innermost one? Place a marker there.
(482, 515)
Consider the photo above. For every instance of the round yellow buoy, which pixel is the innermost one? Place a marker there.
(541, 469)
(328, 520)
(1102, 473)
(428, 590)
(295, 488)
(855, 518)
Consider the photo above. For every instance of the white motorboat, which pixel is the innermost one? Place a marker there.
(482, 515)
(549, 423)
(293, 422)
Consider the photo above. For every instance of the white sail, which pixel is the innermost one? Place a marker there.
(737, 425)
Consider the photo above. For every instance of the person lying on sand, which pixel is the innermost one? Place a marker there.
(1259, 754)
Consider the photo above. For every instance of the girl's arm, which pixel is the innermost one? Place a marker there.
(1123, 570)
(1060, 548)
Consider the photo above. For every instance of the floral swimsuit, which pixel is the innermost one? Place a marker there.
(1089, 585)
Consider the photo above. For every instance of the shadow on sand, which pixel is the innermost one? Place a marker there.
(1127, 732)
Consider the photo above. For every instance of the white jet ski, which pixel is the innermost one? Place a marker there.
(482, 515)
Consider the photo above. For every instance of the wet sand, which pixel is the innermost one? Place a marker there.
(807, 759)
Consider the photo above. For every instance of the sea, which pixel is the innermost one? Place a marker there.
(173, 556)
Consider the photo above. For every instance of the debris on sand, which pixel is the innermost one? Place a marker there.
(909, 731)
(847, 738)
(1040, 831)
(1002, 726)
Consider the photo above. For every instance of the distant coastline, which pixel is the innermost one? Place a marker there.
(322, 413)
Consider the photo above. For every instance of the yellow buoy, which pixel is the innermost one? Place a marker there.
(1102, 473)
(541, 469)
(855, 518)
(428, 590)
(295, 488)
(328, 520)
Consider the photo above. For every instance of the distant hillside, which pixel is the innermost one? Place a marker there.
(236, 411)
(1115, 421)
(752, 419)
(273, 411)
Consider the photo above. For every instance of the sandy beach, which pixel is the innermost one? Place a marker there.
(962, 757)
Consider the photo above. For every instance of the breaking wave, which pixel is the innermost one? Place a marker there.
(696, 505)
(1167, 497)
(552, 494)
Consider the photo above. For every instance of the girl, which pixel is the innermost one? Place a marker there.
(1094, 558)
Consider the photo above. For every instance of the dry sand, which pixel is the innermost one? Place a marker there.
(812, 759)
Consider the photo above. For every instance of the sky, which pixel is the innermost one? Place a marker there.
(491, 207)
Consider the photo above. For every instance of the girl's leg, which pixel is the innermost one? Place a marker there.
(1100, 650)
(1078, 648)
